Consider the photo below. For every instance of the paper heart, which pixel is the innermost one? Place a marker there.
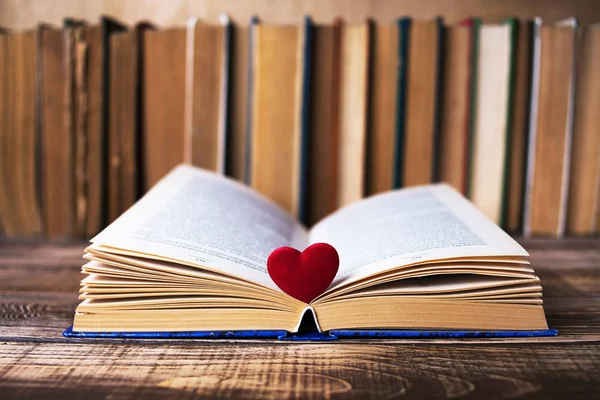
(304, 275)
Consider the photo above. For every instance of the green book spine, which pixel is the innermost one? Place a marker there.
(513, 23)
(473, 100)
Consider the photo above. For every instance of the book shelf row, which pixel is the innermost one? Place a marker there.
(313, 116)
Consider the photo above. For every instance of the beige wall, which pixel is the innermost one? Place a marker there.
(22, 14)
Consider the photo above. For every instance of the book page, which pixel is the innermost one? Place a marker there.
(409, 226)
(203, 218)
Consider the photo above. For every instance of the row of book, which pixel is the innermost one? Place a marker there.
(313, 116)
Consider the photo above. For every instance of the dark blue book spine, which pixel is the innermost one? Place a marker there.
(403, 43)
(226, 103)
(438, 99)
(305, 115)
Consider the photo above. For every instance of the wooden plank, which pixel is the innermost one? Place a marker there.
(38, 295)
(285, 370)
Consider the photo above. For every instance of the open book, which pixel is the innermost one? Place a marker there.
(191, 256)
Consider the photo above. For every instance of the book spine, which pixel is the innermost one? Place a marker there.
(250, 95)
(564, 194)
(305, 115)
(533, 115)
(512, 23)
(473, 102)
(403, 43)
(438, 99)
(224, 93)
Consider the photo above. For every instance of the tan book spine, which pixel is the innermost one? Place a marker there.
(582, 216)
(554, 129)
(455, 106)
(420, 110)
(207, 75)
(353, 113)
(275, 164)
(22, 143)
(164, 102)
(382, 140)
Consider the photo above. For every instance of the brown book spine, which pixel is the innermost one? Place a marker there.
(382, 116)
(6, 216)
(22, 137)
(55, 140)
(519, 127)
(81, 124)
(123, 124)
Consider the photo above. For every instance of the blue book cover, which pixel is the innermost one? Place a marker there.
(315, 335)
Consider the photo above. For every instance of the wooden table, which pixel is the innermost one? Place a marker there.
(38, 295)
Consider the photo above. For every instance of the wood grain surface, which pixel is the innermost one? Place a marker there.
(38, 295)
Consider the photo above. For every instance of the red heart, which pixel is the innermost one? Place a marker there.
(304, 275)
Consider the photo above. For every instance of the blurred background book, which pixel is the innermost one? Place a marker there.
(314, 104)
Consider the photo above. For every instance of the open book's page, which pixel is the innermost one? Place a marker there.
(203, 218)
(409, 226)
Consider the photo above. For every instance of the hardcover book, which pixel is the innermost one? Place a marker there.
(492, 119)
(191, 255)
(551, 128)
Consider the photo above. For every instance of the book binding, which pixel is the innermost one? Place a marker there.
(313, 335)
